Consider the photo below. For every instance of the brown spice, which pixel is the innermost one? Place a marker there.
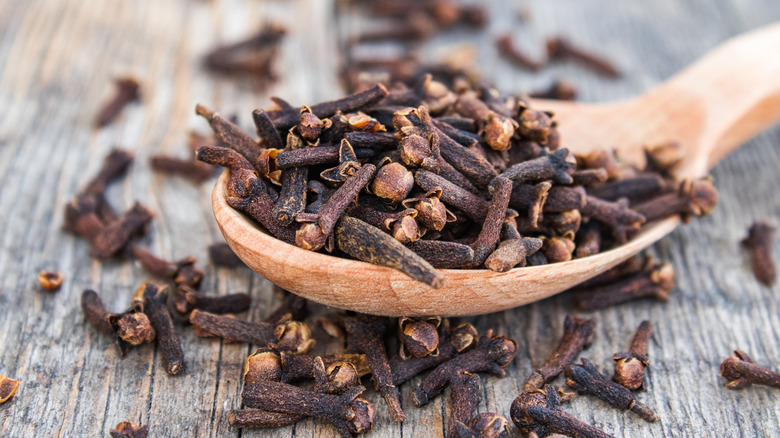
(654, 281)
(419, 336)
(560, 48)
(509, 51)
(538, 412)
(630, 366)
(577, 334)
(741, 371)
(8, 388)
(50, 281)
(492, 354)
(465, 395)
(586, 379)
(127, 90)
(127, 429)
(759, 243)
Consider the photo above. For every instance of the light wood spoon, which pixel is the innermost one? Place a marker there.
(711, 108)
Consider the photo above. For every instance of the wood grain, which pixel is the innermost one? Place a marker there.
(57, 59)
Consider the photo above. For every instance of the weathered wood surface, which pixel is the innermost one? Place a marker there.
(57, 58)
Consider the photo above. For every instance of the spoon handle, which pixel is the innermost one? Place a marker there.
(723, 99)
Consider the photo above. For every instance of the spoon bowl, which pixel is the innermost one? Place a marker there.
(711, 108)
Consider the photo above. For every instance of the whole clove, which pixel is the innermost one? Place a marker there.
(558, 90)
(292, 197)
(630, 366)
(577, 334)
(654, 281)
(419, 336)
(8, 387)
(127, 429)
(692, 198)
(508, 50)
(365, 334)
(586, 379)
(759, 243)
(560, 48)
(231, 135)
(50, 281)
(488, 237)
(189, 299)
(115, 235)
(153, 300)
(538, 412)
(473, 206)
(364, 242)
(127, 90)
(492, 354)
(300, 366)
(511, 253)
(95, 312)
(443, 254)
(347, 412)
(465, 395)
(288, 336)
(741, 371)
(252, 57)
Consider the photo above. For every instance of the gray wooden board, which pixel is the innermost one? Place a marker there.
(57, 58)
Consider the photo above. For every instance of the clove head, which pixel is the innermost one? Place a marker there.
(414, 149)
(419, 338)
(263, 364)
(498, 131)
(392, 182)
(362, 416)
(342, 376)
(309, 125)
(534, 125)
(489, 425)
(431, 212)
(295, 337)
(630, 370)
(135, 328)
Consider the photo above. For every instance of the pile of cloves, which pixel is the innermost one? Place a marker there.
(455, 354)
(538, 409)
(421, 178)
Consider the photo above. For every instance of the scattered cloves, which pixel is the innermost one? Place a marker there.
(492, 354)
(507, 50)
(654, 281)
(8, 387)
(560, 48)
(127, 429)
(153, 298)
(539, 413)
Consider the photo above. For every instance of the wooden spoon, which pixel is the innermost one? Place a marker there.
(711, 107)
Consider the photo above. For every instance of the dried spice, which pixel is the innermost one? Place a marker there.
(759, 243)
(8, 388)
(419, 336)
(630, 366)
(492, 354)
(539, 412)
(252, 57)
(577, 334)
(50, 281)
(558, 90)
(364, 242)
(506, 48)
(348, 413)
(153, 299)
(465, 395)
(741, 371)
(560, 48)
(452, 342)
(116, 234)
(300, 366)
(457, 141)
(127, 429)
(656, 280)
(484, 425)
(189, 299)
(586, 379)
(365, 334)
(182, 272)
(287, 336)
(127, 90)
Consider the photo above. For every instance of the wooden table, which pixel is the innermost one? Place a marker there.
(57, 59)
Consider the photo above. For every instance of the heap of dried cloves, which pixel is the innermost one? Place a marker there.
(423, 177)
(455, 354)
